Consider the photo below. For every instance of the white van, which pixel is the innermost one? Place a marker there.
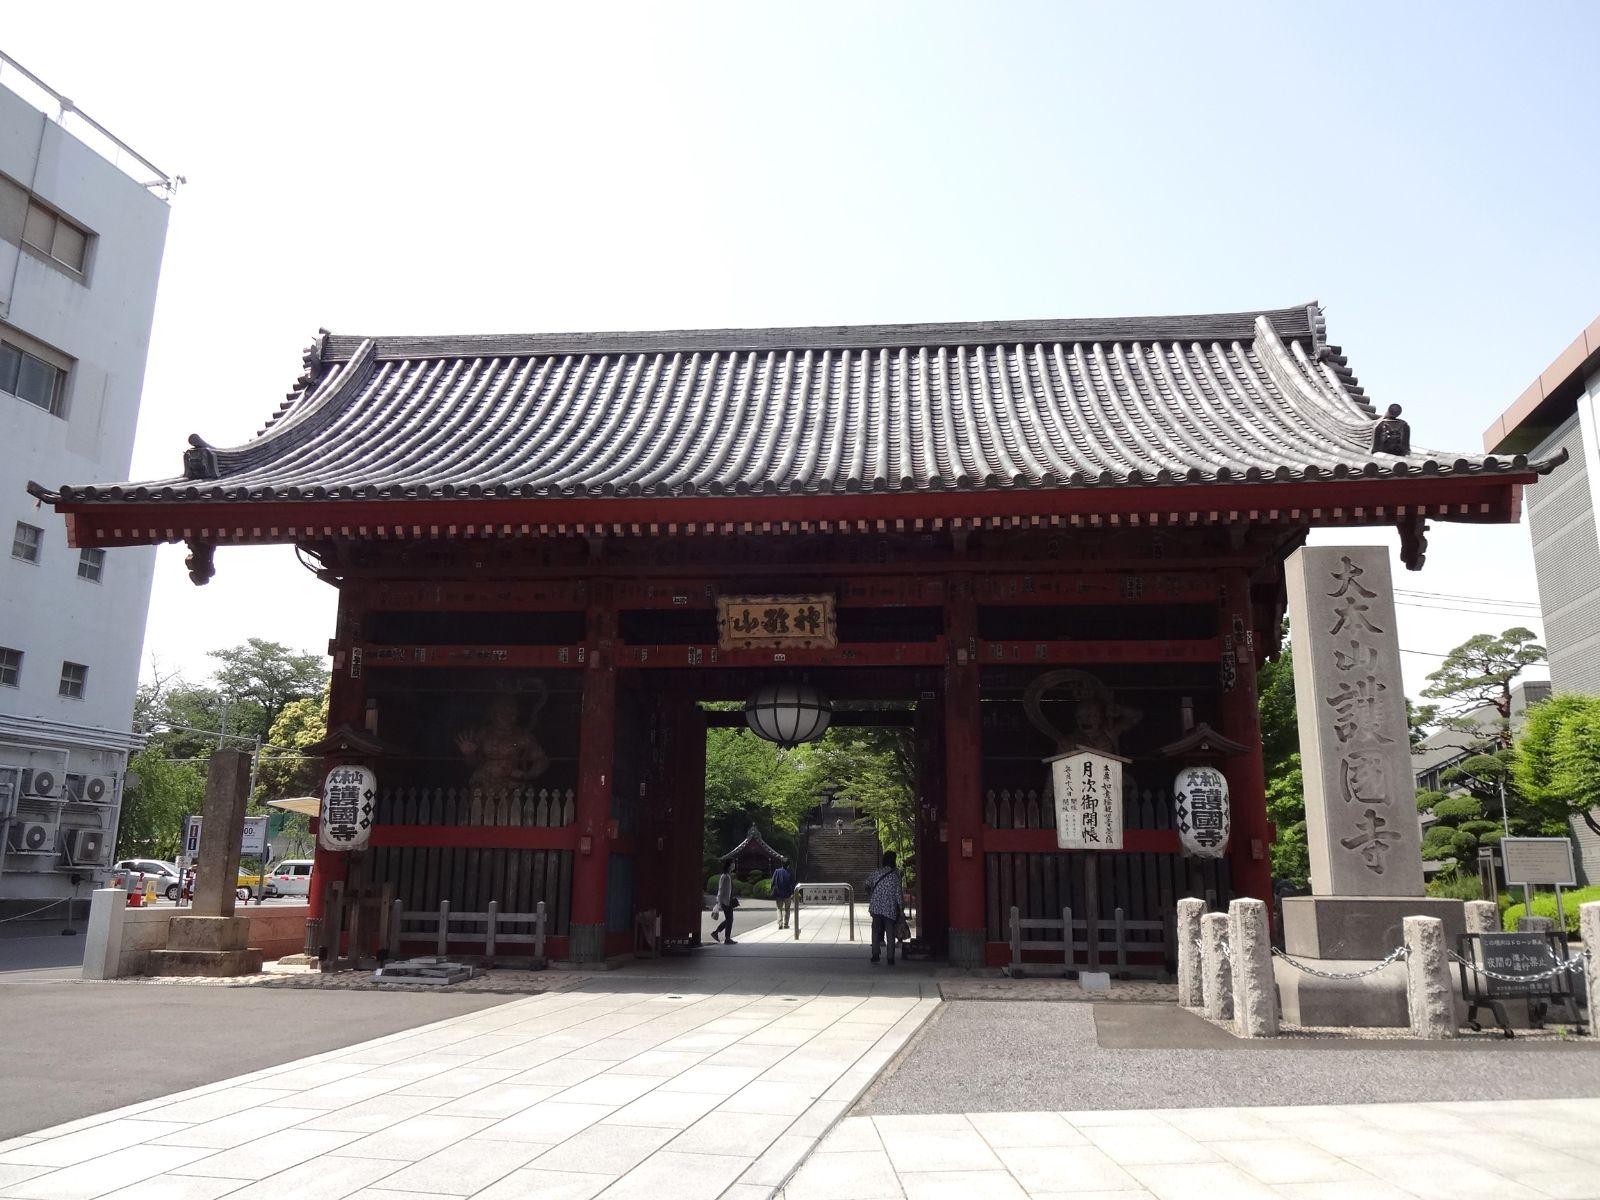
(291, 877)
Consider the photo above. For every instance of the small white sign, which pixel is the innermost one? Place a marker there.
(1536, 860)
(1088, 794)
(252, 843)
(349, 800)
(824, 893)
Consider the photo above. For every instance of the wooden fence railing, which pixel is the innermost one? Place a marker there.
(494, 929)
(1097, 954)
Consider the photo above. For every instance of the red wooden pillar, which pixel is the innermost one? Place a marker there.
(963, 776)
(347, 704)
(932, 863)
(689, 820)
(1250, 844)
(597, 744)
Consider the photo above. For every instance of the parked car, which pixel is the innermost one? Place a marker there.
(291, 877)
(164, 875)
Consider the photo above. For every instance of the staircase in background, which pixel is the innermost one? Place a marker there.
(849, 856)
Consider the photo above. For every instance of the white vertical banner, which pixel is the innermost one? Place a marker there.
(1088, 794)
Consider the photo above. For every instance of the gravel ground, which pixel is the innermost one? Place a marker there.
(1010, 1056)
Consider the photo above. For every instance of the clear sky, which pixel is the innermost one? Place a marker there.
(1424, 170)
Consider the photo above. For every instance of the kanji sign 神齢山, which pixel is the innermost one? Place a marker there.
(1088, 794)
(744, 622)
(348, 800)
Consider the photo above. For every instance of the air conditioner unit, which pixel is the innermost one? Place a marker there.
(85, 847)
(97, 789)
(35, 837)
(40, 783)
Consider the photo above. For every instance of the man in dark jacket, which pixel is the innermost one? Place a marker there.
(783, 893)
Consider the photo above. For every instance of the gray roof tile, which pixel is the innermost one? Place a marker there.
(1168, 400)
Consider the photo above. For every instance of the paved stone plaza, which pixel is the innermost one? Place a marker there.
(800, 1070)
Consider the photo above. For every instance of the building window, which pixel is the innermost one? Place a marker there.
(55, 237)
(10, 667)
(90, 564)
(73, 677)
(26, 542)
(28, 377)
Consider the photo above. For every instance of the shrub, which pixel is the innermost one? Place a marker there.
(763, 889)
(741, 888)
(1544, 905)
(1454, 886)
(711, 884)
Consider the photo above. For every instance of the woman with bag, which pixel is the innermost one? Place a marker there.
(883, 903)
(727, 902)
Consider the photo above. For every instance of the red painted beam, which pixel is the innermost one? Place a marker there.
(548, 657)
(1202, 650)
(477, 837)
(856, 654)
(1043, 841)
(132, 522)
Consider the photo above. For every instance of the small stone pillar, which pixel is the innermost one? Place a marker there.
(1217, 974)
(1483, 916)
(1191, 979)
(1589, 931)
(1429, 996)
(1255, 991)
(102, 945)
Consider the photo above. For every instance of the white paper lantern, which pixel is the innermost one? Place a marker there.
(788, 713)
(349, 803)
(1200, 802)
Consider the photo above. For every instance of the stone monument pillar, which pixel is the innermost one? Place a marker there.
(209, 939)
(1361, 813)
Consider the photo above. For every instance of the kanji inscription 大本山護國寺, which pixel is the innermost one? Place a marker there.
(348, 799)
(1200, 798)
(744, 622)
(1088, 794)
(1360, 819)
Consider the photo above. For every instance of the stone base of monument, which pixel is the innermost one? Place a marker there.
(207, 946)
(1346, 934)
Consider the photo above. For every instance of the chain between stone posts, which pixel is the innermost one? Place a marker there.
(1576, 964)
(1398, 952)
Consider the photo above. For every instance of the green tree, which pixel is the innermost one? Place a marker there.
(159, 794)
(1478, 674)
(749, 780)
(874, 770)
(1280, 754)
(285, 769)
(1556, 764)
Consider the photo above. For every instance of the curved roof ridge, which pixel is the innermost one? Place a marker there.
(1295, 321)
(324, 399)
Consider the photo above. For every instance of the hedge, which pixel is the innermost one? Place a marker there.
(1544, 905)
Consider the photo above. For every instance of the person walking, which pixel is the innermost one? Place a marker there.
(783, 893)
(726, 901)
(883, 903)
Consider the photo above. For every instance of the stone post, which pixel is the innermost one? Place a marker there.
(1483, 916)
(216, 880)
(1589, 931)
(1429, 996)
(1255, 991)
(1536, 925)
(1191, 985)
(1215, 970)
(102, 943)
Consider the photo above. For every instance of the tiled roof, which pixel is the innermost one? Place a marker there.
(1233, 397)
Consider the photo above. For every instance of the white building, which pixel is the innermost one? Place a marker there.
(81, 240)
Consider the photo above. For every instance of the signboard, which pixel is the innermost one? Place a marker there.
(1516, 954)
(252, 844)
(1088, 794)
(1200, 803)
(1536, 860)
(825, 893)
(349, 799)
(801, 622)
